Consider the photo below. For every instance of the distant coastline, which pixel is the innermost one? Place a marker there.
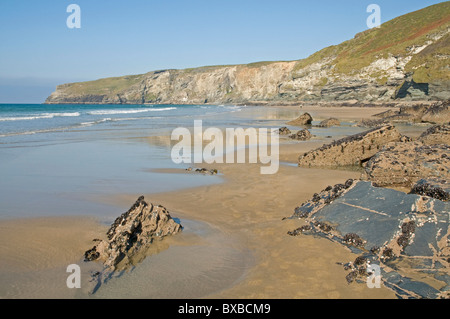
(404, 60)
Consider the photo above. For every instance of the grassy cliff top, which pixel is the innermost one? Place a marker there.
(393, 38)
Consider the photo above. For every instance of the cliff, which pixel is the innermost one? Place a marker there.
(405, 59)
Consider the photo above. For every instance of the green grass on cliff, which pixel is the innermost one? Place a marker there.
(113, 85)
(432, 63)
(394, 38)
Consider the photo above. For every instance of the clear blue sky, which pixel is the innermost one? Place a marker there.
(38, 50)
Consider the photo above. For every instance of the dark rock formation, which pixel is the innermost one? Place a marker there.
(304, 119)
(284, 131)
(203, 171)
(319, 201)
(352, 150)
(330, 122)
(433, 187)
(403, 164)
(131, 235)
(302, 135)
(401, 233)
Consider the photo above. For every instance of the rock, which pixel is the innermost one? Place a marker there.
(304, 119)
(131, 235)
(284, 131)
(373, 123)
(300, 230)
(330, 122)
(386, 114)
(436, 113)
(203, 171)
(403, 164)
(352, 150)
(438, 134)
(319, 201)
(437, 188)
(302, 135)
(401, 233)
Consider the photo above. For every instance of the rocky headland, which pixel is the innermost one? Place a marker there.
(406, 59)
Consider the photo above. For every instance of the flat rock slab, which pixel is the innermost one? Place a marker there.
(405, 234)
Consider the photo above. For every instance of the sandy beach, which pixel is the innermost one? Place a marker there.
(244, 216)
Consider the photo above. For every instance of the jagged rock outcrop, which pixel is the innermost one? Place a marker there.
(304, 119)
(302, 135)
(405, 59)
(397, 233)
(352, 150)
(131, 235)
(403, 164)
(330, 122)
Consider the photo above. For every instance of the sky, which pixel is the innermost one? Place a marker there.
(39, 51)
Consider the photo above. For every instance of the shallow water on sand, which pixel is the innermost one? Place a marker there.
(193, 264)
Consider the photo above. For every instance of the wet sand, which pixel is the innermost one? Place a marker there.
(35, 253)
(250, 208)
(245, 212)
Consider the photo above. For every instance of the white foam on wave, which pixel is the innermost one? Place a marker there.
(85, 124)
(131, 111)
(39, 117)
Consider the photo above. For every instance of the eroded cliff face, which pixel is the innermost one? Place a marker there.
(228, 84)
(406, 59)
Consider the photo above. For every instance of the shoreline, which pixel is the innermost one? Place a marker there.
(248, 208)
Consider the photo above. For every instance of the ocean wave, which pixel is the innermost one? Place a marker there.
(131, 111)
(86, 124)
(39, 117)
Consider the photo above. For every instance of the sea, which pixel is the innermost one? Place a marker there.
(60, 159)
(65, 160)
